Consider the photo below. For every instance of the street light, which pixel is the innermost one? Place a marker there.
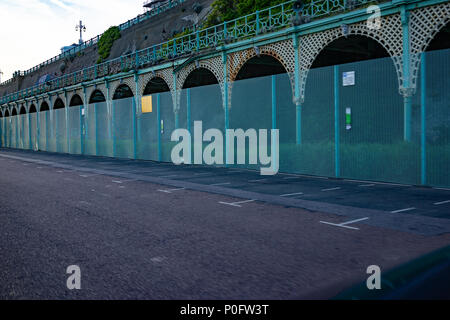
(81, 28)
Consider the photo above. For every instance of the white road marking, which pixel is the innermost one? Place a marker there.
(440, 203)
(289, 178)
(331, 189)
(171, 190)
(445, 189)
(117, 181)
(170, 176)
(236, 204)
(403, 210)
(221, 184)
(257, 180)
(345, 224)
(292, 194)
(367, 185)
(201, 174)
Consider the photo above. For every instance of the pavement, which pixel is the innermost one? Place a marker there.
(147, 230)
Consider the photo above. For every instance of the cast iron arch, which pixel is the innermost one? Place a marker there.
(122, 92)
(6, 113)
(352, 48)
(97, 97)
(14, 112)
(156, 85)
(200, 77)
(32, 109)
(44, 107)
(76, 101)
(59, 104)
(260, 66)
(22, 110)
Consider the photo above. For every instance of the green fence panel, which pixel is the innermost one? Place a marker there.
(203, 104)
(61, 131)
(24, 132)
(374, 148)
(438, 117)
(167, 125)
(90, 133)
(147, 132)
(33, 131)
(251, 108)
(104, 133)
(75, 129)
(123, 127)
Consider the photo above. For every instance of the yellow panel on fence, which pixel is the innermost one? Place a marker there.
(147, 104)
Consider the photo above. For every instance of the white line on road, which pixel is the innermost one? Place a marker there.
(171, 190)
(257, 180)
(221, 184)
(445, 189)
(292, 194)
(331, 189)
(117, 181)
(403, 210)
(236, 204)
(289, 178)
(440, 203)
(366, 185)
(345, 224)
(169, 176)
(89, 175)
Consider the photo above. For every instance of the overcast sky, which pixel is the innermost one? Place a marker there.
(32, 31)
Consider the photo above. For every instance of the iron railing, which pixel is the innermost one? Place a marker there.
(260, 22)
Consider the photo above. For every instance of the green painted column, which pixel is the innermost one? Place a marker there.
(135, 111)
(158, 115)
(96, 130)
(83, 118)
(274, 101)
(406, 74)
(113, 131)
(38, 126)
(337, 159)
(226, 105)
(67, 115)
(423, 98)
(133, 124)
(297, 98)
(188, 108)
(30, 143)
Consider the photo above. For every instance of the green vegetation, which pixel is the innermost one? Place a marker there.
(226, 10)
(106, 42)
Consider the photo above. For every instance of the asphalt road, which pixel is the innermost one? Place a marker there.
(138, 232)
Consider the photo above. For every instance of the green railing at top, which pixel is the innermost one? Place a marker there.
(259, 22)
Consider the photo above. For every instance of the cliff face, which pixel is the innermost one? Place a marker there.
(152, 31)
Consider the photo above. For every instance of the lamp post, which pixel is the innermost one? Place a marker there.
(81, 28)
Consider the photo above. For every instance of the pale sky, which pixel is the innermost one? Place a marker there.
(32, 31)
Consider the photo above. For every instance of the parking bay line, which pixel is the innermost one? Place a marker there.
(236, 204)
(403, 210)
(292, 194)
(331, 189)
(345, 224)
(257, 180)
(441, 203)
(171, 190)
